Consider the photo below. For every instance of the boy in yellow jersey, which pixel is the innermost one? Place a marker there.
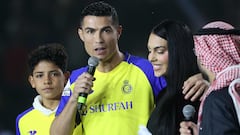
(121, 91)
(48, 76)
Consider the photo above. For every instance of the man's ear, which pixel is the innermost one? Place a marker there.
(31, 81)
(80, 34)
(119, 30)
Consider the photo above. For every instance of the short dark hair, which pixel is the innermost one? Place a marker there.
(100, 8)
(52, 52)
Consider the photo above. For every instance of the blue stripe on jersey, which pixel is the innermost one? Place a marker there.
(73, 77)
(157, 83)
(19, 117)
(76, 73)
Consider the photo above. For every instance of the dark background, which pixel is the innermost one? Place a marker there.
(25, 24)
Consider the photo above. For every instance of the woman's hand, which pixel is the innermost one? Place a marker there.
(195, 87)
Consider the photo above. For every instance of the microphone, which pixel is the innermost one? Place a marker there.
(92, 64)
(188, 113)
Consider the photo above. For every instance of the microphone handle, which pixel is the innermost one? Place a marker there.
(83, 96)
(82, 100)
(191, 130)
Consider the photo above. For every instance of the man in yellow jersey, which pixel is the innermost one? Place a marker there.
(48, 76)
(122, 89)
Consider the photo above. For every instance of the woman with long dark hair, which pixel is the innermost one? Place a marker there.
(171, 53)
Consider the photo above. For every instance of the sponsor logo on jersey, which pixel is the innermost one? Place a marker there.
(116, 106)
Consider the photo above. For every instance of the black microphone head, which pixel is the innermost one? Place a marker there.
(188, 111)
(93, 61)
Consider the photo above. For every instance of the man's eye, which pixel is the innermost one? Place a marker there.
(89, 31)
(107, 30)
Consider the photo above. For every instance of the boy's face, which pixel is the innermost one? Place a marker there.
(48, 80)
(100, 36)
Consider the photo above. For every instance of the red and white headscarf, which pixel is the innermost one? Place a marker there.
(221, 55)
